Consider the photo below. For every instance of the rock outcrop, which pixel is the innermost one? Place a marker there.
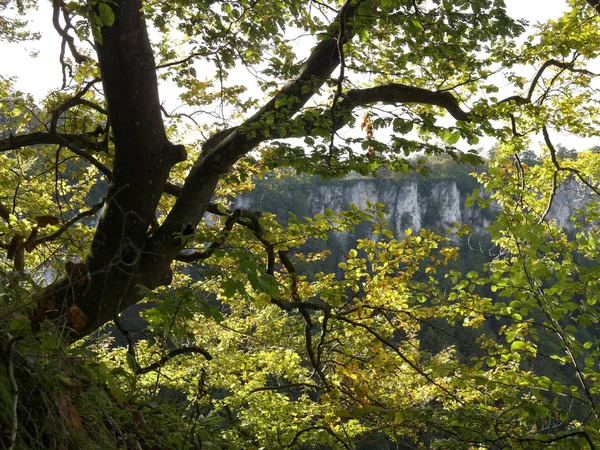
(436, 204)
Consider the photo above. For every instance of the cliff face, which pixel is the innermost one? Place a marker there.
(433, 204)
(409, 204)
(436, 204)
(570, 197)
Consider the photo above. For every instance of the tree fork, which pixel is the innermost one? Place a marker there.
(143, 159)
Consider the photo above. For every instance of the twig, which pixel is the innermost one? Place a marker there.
(197, 256)
(565, 169)
(317, 428)
(77, 99)
(399, 353)
(90, 212)
(63, 32)
(14, 390)
(340, 80)
(284, 386)
(180, 61)
(172, 354)
(583, 434)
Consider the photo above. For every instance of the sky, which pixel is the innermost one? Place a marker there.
(39, 75)
(535, 10)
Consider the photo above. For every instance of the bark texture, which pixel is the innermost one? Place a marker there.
(143, 159)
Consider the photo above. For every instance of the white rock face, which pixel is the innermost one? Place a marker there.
(570, 196)
(408, 206)
(437, 205)
(448, 201)
(405, 207)
(339, 197)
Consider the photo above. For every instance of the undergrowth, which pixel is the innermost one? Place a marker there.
(68, 398)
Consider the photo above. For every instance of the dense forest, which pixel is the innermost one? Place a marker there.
(266, 225)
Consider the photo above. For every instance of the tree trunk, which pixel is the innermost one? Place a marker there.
(143, 159)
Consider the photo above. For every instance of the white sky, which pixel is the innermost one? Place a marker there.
(38, 75)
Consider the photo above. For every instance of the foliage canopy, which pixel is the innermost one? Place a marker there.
(110, 198)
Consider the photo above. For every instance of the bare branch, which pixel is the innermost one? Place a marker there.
(89, 158)
(74, 142)
(42, 137)
(569, 435)
(285, 386)
(63, 32)
(65, 226)
(77, 99)
(172, 354)
(197, 256)
(536, 78)
(396, 350)
(556, 63)
(178, 62)
(558, 167)
(328, 430)
(401, 93)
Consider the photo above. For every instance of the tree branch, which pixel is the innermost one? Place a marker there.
(401, 93)
(536, 78)
(200, 183)
(42, 137)
(77, 99)
(560, 65)
(172, 354)
(396, 350)
(207, 253)
(4, 213)
(89, 158)
(594, 4)
(164, 65)
(558, 167)
(284, 386)
(63, 32)
(65, 226)
(569, 435)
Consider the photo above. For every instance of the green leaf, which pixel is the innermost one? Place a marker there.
(221, 207)
(212, 312)
(280, 101)
(231, 287)
(450, 137)
(131, 363)
(106, 14)
(518, 345)
(414, 26)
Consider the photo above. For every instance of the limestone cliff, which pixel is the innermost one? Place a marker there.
(436, 204)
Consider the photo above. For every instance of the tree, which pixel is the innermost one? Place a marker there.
(397, 65)
(140, 157)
